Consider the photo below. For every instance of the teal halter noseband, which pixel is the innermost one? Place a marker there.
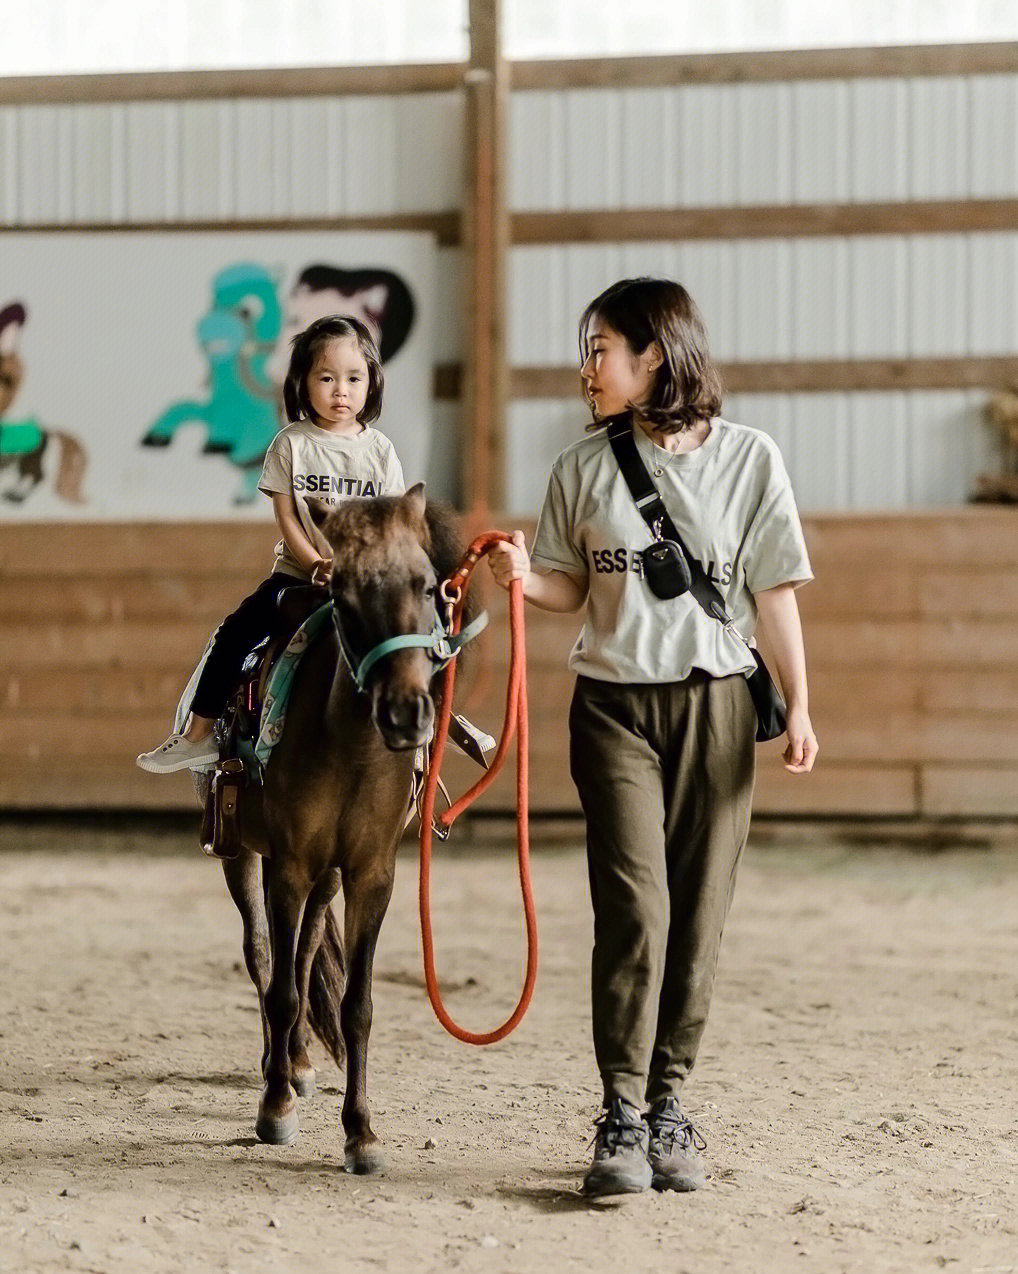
(441, 646)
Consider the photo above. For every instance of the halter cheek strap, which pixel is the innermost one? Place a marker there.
(441, 646)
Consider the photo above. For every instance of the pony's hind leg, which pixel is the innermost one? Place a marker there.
(366, 893)
(243, 879)
(287, 892)
(302, 1073)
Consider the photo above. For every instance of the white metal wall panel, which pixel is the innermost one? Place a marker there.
(863, 451)
(940, 119)
(881, 124)
(152, 164)
(992, 143)
(872, 297)
(225, 159)
(823, 141)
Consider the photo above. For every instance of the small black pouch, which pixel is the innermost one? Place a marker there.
(666, 570)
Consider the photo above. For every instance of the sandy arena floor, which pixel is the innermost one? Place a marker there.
(857, 1085)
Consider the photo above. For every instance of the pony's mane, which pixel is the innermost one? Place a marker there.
(359, 523)
(445, 541)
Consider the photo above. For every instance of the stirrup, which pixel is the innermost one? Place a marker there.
(416, 809)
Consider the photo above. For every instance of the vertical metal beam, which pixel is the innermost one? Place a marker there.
(485, 241)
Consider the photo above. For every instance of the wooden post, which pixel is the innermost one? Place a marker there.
(485, 240)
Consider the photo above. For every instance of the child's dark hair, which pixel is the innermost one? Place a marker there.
(687, 386)
(304, 349)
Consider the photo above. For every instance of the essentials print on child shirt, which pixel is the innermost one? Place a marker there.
(325, 484)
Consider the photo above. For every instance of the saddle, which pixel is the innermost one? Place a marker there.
(238, 727)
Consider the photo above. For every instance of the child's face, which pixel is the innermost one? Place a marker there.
(612, 374)
(337, 383)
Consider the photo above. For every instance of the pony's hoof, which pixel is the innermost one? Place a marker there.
(365, 1159)
(278, 1129)
(303, 1081)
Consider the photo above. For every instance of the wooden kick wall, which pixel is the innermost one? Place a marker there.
(911, 631)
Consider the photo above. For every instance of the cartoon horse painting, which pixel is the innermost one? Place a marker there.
(242, 411)
(23, 443)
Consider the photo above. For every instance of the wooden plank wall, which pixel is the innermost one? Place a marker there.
(911, 630)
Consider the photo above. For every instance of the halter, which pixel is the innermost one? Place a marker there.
(441, 645)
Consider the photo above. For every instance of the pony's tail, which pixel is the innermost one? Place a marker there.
(71, 466)
(325, 990)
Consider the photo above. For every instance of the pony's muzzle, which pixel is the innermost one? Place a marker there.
(405, 720)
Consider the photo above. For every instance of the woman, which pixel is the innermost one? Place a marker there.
(662, 725)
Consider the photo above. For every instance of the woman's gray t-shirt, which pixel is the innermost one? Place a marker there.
(731, 501)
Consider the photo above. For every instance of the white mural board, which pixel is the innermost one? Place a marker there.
(141, 372)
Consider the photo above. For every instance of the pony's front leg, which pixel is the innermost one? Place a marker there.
(286, 894)
(302, 1073)
(367, 895)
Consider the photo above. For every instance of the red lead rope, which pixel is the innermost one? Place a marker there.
(516, 721)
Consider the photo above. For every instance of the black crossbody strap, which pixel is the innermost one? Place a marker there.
(652, 510)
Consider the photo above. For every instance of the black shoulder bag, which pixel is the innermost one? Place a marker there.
(670, 570)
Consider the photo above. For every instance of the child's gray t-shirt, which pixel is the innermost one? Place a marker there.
(731, 501)
(307, 460)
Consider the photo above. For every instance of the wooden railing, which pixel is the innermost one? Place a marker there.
(911, 633)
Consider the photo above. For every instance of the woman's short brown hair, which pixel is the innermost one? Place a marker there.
(687, 386)
(304, 349)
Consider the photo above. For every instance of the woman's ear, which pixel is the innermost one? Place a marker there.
(654, 355)
(318, 509)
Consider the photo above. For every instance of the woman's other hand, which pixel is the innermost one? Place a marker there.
(510, 562)
(802, 742)
(321, 570)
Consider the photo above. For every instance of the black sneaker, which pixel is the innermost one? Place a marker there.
(675, 1145)
(620, 1163)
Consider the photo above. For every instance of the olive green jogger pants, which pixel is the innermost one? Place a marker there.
(665, 776)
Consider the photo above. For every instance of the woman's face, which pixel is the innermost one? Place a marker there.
(613, 376)
(337, 383)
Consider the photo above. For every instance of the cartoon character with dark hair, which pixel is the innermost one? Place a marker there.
(377, 297)
(242, 411)
(23, 443)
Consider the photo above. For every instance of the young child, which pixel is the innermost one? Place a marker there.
(332, 393)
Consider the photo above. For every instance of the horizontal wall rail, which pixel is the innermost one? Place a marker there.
(754, 66)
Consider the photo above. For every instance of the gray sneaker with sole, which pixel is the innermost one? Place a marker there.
(675, 1145)
(620, 1164)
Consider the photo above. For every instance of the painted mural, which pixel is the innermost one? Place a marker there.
(24, 440)
(172, 371)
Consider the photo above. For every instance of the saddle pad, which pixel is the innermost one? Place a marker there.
(277, 688)
(277, 692)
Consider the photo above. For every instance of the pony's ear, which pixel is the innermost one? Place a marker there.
(415, 502)
(318, 509)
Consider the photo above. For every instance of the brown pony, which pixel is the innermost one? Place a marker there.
(331, 812)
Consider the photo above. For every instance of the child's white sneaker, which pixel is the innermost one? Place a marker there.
(179, 753)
